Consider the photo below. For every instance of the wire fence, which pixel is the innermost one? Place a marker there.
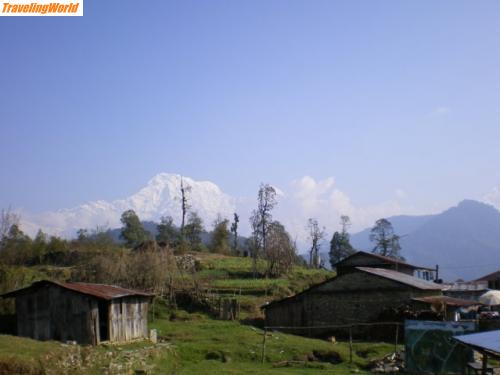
(349, 327)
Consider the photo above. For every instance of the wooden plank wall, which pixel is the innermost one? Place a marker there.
(52, 313)
(129, 318)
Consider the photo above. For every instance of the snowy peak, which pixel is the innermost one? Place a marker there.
(160, 197)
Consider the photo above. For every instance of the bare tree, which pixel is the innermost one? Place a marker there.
(185, 190)
(234, 231)
(7, 220)
(261, 219)
(345, 223)
(316, 235)
(386, 241)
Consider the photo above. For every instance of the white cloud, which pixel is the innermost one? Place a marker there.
(493, 197)
(323, 200)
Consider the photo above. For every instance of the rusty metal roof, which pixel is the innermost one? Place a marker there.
(102, 291)
(450, 301)
(401, 278)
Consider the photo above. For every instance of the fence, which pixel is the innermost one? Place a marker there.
(348, 327)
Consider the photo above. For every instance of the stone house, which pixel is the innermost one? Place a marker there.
(81, 312)
(358, 296)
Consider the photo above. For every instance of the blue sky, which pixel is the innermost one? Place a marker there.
(387, 97)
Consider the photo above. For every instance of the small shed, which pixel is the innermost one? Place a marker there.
(81, 312)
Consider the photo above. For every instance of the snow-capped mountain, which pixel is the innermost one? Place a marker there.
(160, 197)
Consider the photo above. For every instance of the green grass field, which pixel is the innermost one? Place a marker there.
(194, 343)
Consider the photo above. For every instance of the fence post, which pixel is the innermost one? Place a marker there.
(396, 342)
(350, 344)
(264, 345)
(153, 309)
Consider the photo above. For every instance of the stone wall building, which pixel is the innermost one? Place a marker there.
(81, 312)
(359, 295)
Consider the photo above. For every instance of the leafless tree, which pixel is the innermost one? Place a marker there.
(316, 235)
(185, 190)
(234, 231)
(7, 220)
(261, 219)
(345, 223)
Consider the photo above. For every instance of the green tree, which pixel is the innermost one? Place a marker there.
(39, 246)
(132, 231)
(220, 237)
(385, 240)
(16, 246)
(167, 232)
(280, 250)
(340, 246)
(193, 230)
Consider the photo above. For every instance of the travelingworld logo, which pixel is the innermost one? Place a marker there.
(41, 8)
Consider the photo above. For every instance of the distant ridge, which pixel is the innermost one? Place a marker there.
(464, 240)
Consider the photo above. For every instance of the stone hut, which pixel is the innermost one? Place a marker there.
(355, 295)
(81, 312)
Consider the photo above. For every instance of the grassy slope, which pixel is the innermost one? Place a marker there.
(232, 276)
(237, 348)
(234, 348)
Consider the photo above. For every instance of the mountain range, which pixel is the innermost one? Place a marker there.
(463, 240)
(160, 197)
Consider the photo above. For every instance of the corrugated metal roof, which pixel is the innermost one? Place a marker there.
(450, 301)
(381, 272)
(401, 278)
(486, 341)
(490, 277)
(466, 286)
(102, 291)
(385, 259)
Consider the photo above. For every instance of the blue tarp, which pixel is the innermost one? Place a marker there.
(488, 341)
